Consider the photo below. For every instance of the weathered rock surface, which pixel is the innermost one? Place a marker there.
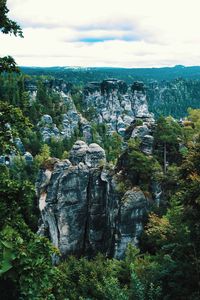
(81, 210)
(116, 104)
(111, 101)
(78, 152)
(131, 216)
(48, 129)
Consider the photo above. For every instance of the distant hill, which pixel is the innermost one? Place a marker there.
(81, 75)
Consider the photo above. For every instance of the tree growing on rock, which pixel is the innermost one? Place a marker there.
(167, 133)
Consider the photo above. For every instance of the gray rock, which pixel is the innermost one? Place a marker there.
(5, 160)
(28, 157)
(147, 144)
(47, 119)
(157, 192)
(115, 104)
(111, 102)
(140, 131)
(73, 204)
(95, 156)
(19, 145)
(70, 120)
(132, 211)
(80, 206)
(86, 129)
(78, 152)
(48, 129)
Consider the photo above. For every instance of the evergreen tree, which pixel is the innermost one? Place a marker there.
(168, 133)
(7, 25)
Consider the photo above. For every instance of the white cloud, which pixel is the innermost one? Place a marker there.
(127, 33)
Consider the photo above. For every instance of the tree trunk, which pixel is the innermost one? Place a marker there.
(165, 158)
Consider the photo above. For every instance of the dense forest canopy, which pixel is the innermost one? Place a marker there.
(84, 75)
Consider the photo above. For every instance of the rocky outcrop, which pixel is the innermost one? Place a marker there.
(81, 210)
(116, 104)
(18, 151)
(48, 129)
(140, 101)
(131, 216)
(111, 102)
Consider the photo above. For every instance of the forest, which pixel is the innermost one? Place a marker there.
(165, 264)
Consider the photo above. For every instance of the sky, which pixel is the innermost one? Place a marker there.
(99, 33)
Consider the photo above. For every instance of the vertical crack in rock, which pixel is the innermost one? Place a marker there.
(86, 225)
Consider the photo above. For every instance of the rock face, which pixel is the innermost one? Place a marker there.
(81, 210)
(131, 214)
(116, 104)
(48, 129)
(111, 102)
(139, 100)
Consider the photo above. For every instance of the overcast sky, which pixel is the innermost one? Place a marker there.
(118, 33)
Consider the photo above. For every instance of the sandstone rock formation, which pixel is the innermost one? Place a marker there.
(111, 102)
(131, 216)
(116, 104)
(48, 129)
(81, 210)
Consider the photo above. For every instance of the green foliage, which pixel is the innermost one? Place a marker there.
(138, 167)
(113, 147)
(7, 25)
(7, 63)
(112, 143)
(168, 265)
(173, 241)
(65, 155)
(167, 130)
(43, 155)
(77, 96)
(47, 102)
(8, 254)
(167, 136)
(174, 97)
(191, 126)
(17, 195)
(57, 147)
(32, 141)
(25, 257)
(12, 124)
(194, 116)
(95, 279)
